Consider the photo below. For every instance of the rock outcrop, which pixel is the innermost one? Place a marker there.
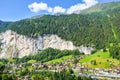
(15, 45)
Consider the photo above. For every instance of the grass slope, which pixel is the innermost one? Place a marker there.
(1, 63)
(102, 60)
(101, 7)
(62, 59)
(31, 61)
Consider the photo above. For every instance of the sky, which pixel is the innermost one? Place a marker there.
(13, 10)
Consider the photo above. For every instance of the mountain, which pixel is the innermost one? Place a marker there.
(3, 25)
(102, 7)
(15, 45)
(96, 27)
(38, 16)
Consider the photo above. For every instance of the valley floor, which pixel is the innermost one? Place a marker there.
(96, 66)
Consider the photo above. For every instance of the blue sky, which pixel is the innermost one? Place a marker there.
(12, 10)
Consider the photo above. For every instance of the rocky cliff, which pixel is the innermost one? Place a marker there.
(15, 45)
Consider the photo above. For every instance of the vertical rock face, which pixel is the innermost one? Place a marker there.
(15, 45)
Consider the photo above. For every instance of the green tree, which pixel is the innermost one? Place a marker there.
(75, 60)
(2, 67)
(37, 77)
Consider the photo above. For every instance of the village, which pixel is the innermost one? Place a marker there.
(78, 68)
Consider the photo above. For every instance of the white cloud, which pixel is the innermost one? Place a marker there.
(90, 3)
(78, 7)
(58, 9)
(37, 7)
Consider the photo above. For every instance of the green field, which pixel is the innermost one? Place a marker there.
(31, 61)
(1, 63)
(11, 60)
(103, 60)
(62, 59)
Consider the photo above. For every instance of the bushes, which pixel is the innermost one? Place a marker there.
(115, 51)
(2, 68)
(62, 75)
(7, 77)
(47, 55)
(37, 77)
(94, 62)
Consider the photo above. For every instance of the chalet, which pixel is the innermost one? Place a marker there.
(35, 65)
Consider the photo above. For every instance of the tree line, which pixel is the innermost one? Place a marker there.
(44, 56)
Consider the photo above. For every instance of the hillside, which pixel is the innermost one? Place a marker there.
(3, 25)
(101, 59)
(96, 29)
(102, 7)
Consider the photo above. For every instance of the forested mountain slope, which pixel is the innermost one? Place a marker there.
(3, 25)
(97, 29)
(102, 7)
